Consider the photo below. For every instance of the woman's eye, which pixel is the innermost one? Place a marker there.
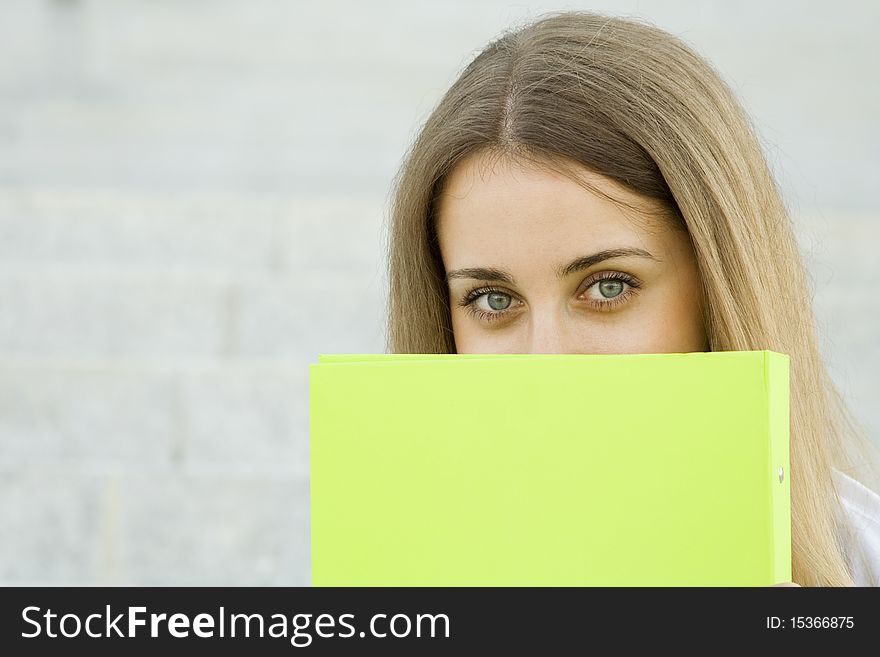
(498, 301)
(607, 288)
(488, 305)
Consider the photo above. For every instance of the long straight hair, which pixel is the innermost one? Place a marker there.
(631, 102)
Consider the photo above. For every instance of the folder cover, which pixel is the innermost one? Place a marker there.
(550, 469)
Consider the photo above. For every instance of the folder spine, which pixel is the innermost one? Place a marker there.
(776, 372)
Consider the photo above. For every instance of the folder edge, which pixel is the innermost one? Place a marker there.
(777, 379)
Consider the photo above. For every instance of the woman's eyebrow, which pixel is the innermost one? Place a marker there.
(578, 264)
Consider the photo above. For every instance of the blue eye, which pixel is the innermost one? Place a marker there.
(498, 300)
(487, 304)
(608, 288)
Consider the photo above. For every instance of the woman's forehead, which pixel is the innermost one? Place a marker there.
(507, 205)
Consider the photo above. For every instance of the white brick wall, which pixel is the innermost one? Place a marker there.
(105, 418)
(191, 198)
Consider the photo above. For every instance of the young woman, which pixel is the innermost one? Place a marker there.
(590, 185)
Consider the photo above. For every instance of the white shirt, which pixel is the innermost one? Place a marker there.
(861, 508)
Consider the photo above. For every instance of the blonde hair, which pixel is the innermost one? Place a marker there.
(634, 103)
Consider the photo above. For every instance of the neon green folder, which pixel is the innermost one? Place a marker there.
(550, 470)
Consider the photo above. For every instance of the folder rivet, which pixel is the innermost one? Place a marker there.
(781, 475)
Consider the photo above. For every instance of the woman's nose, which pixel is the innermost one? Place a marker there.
(557, 333)
(548, 335)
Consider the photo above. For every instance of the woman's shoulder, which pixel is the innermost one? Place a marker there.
(862, 528)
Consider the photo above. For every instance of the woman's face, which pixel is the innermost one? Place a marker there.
(538, 264)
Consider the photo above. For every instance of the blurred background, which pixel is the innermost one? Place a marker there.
(192, 198)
